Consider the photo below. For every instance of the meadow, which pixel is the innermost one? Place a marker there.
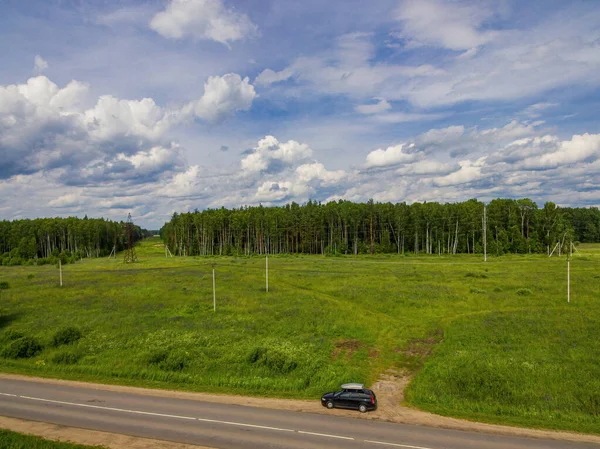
(494, 341)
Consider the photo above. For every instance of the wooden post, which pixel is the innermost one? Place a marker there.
(484, 235)
(568, 280)
(214, 292)
(60, 271)
(267, 271)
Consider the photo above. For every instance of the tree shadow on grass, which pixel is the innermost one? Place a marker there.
(7, 318)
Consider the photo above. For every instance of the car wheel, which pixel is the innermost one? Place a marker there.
(362, 408)
(329, 404)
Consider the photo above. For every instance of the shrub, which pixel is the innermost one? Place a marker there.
(524, 292)
(157, 356)
(23, 348)
(472, 274)
(66, 357)
(4, 285)
(66, 336)
(168, 360)
(278, 358)
(13, 334)
(175, 361)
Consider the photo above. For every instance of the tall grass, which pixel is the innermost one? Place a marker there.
(325, 321)
(14, 440)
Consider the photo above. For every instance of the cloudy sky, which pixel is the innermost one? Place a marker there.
(161, 106)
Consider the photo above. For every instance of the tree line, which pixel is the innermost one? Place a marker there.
(344, 227)
(44, 240)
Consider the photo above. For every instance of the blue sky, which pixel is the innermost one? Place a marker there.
(161, 106)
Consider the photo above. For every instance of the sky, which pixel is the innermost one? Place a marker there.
(153, 107)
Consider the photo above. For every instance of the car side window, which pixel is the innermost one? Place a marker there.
(345, 395)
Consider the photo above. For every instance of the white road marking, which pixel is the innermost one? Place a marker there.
(397, 445)
(325, 435)
(244, 424)
(109, 408)
(139, 412)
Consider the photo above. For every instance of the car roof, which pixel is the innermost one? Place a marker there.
(353, 386)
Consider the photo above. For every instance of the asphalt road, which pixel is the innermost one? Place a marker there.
(231, 426)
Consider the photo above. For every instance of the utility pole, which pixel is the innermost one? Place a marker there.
(484, 234)
(214, 292)
(60, 271)
(267, 271)
(568, 279)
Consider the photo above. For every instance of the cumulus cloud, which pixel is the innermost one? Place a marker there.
(223, 96)
(202, 19)
(274, 156)
(39, 64)
(392, 156)
(469, 171)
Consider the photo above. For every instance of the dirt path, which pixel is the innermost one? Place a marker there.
(389, 390)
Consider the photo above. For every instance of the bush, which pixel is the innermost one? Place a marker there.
(278, 358)
(66, 336)
(168, 360)
(157, 356)
(66, 357)
(13, 334)
(175, 361)
(524, 292)
(23, 348)
(472, 274)
(4, 285)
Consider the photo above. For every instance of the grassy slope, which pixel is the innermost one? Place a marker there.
(326, 321)
(14, 440)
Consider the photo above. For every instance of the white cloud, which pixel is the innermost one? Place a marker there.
(536, 110)
(202, 19)
(469, 171)
(268, 77)
(403, 117)
(43, 127)
(317, 171)
(441, 136)
(39, 64)
(270, 154)
(456, 25)
(223, 96)
(182, 184)
(399, 154)
(492, 66)
(556, 153)
(67, 200)
(381, 106)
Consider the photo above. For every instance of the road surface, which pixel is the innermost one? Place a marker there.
(227, 426)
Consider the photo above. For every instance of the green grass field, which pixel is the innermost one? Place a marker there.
(14, 440)
(494, 342)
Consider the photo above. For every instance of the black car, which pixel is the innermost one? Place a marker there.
(352, 396)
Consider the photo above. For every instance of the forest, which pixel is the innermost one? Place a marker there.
(344, 227)
(45, 240)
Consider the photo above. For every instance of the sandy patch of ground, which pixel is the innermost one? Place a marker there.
(389, 390)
